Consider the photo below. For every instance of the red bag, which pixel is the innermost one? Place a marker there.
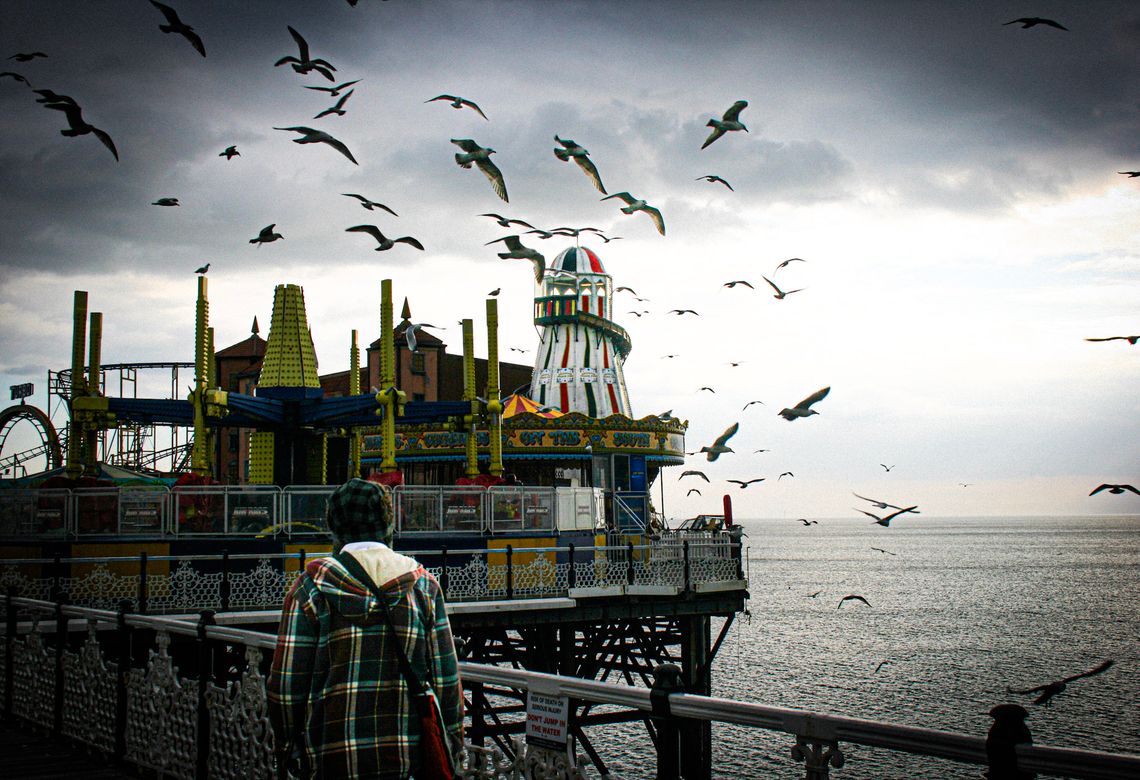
(435, 757)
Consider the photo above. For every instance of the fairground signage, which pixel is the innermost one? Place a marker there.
(536, 439)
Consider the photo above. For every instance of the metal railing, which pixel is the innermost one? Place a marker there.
(114, 687)
(180, 583)
(299, 510)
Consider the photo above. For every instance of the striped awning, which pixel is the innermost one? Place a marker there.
(517, 404)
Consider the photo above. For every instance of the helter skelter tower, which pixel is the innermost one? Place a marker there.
(580, 357)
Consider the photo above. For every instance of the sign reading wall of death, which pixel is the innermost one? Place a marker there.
(546, 720)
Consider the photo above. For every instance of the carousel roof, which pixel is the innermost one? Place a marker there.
(579, 260)
(518, 404)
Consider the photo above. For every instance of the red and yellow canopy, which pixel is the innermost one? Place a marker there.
(517, 404)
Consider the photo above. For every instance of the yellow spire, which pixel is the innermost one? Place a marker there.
(290, 360)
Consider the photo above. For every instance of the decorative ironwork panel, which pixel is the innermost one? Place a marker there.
(262, 587)
(11, 576)
(241, 739)
(89, 695)
(492, 763)
(162, 715)
(100, 588)
(535, 578)
(34, 679)
(468, 582)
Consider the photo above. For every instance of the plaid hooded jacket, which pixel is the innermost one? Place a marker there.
(336, 695)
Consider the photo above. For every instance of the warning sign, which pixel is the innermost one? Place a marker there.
(546, 720)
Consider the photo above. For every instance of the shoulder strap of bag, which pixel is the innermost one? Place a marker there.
(348, 561)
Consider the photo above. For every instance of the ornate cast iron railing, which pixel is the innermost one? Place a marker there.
(116, 687)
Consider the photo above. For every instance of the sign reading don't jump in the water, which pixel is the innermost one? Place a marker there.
(546, 720)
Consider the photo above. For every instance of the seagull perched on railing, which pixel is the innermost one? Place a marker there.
(730, 121)
(313, 136)
(580, 155)
(304, 64)
(481, 156)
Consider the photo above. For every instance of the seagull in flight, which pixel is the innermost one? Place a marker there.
(789, 260)
(516, 251)
(166, 202)
(730, 121)
(752, 402)
(1115, 489)
(335, 91)
(474, 153)
(852, 597)
(507, 221)
(368, 203)
(410, 333)
(886, 552)
(572, 149)
(202, 269)
(886, 467)
(458, 102)
(636, 204)
(807, 523)
(15, 76)
(680, 312)
(1032, 21)
(744, 483)
(303, 63)
(784, 474)
(881, 504)
(881, 665)
(1129, 174)
(310, 135)
(1130, 339)
(803, 408)
(385, 243)
(720, 445)
(229, 153)
(266, 236)
(77, 126)
(712, 179)
(26, 56)
(780, 294)
(175, 25)
(1049, 690)
(693, 473)
(886, 521)
(691, 491)
(733, 284)
(626, 289)
(338, 108)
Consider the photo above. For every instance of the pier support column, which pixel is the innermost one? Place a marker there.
(696, 735)
(75, 433)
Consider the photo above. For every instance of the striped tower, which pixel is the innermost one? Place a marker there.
(580, 357)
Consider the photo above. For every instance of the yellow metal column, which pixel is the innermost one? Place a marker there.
(199, 451)
(469, 396)
(75, 435)
(94, 374)
(354, 389)
(494, 405)
(388, 394)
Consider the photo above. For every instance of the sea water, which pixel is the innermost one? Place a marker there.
(959, 608)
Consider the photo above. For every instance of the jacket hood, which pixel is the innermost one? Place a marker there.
(394, 574)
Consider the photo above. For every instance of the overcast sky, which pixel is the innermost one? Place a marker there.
(950, 181)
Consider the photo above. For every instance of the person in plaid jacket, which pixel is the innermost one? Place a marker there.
(337, 700)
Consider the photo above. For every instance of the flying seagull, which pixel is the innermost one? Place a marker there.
(807, 523)
(369, 204)
(175, 25)
(266, 236)
(77, 125)
(784, 474)
(458, 102)
(580, 155)
(1130, 339)
(1129, 174)
(693, 473)
(886, 552)
(732, 284)
(626, 289)
(711, 179)
(312, 136)
(852, 597)
(410, 333)
(730, 121)
(719, 447)
(516, 251)
(1049, 690)
(699, 389)
(1115, 489)
(881, 504)
(26, 56)
(1032, 21)
(15, 76)
(47, 97)
(636, 204)
(789, 260)
(881, 665)
(335, 91)
(886, 467)
(338, 108)
(691, 491)
(166, 202)
(230, 152)
(744, 483)
(303, 64)
(780, 294)
(803, 408)
(680, 312)
(886, 521)
(202, 269)
(750, 404)
(507, 221)
(474, 153)
(385, 243)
